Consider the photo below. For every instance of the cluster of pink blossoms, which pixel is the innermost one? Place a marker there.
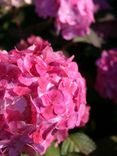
(42, 96)
(106, 83)
(72, 17)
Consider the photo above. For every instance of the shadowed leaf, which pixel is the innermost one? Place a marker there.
(78, 142)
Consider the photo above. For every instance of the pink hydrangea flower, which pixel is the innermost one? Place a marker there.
(45, 8)
(73, 17)
(42, 96)
(106, 83)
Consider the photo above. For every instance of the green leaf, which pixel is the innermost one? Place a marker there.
(52, 151)
(78, 142)
(73, 154)
(68, 146)
(92, 38)
(28, 155)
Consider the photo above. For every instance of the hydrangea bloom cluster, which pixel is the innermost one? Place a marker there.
(72, 17)
(42, 96)
(15, 3)
(106, 83)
